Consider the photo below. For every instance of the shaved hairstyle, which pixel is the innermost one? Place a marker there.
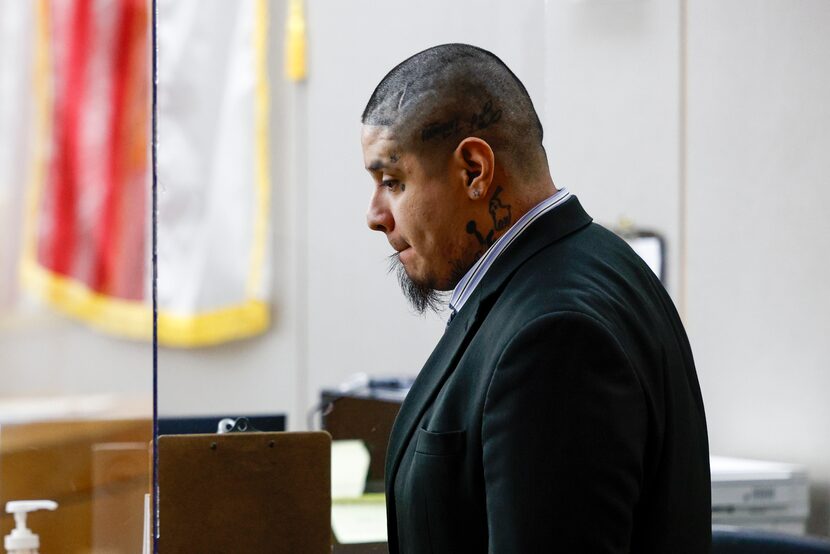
(444, 94)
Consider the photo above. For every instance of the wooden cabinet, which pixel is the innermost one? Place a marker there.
(97, 471)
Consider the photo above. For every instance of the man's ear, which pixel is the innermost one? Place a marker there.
(476, 162)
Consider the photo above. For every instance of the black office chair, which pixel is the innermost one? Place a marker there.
(733, 540)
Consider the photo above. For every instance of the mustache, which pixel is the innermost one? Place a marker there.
(393, 262)
(422, 296)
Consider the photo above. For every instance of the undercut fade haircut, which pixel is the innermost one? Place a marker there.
(436, 98)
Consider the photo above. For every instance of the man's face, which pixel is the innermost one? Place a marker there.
(422, 213)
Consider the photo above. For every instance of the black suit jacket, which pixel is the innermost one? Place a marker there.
(560, 412)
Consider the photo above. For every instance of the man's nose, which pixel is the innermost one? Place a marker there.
(378, 217)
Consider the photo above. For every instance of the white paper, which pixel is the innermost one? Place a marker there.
(359, 522)
(648, 249)
(349, 468)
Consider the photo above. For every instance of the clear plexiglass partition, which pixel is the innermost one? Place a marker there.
(75, 278)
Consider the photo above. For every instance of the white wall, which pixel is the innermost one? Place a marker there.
(43, 353)
(16, 115)
(612, 127)
(759, 238)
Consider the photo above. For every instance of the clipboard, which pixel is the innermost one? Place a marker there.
(239, 493)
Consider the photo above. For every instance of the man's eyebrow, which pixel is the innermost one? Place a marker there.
(376, 165)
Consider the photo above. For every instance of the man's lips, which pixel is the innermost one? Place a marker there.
(401, 252)
(398, 246)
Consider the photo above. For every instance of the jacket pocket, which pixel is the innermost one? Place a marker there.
(446, 443)
(438, 492)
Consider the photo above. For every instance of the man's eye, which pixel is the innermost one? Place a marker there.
(390, 183)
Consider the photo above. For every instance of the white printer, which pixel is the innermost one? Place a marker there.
(760, 495)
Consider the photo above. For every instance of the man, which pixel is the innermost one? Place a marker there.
(561, 411)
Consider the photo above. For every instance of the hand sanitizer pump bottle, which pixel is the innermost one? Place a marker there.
(21, 540)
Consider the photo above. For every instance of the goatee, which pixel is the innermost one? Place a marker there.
(421, 296)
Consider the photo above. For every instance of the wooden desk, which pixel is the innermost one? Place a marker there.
(97, 471)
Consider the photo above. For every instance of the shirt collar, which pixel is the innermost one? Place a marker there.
(465, 287)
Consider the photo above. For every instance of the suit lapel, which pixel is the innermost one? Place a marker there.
(549, 228)
(427, 385)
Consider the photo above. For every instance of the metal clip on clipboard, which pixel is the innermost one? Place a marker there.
(238, 425)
